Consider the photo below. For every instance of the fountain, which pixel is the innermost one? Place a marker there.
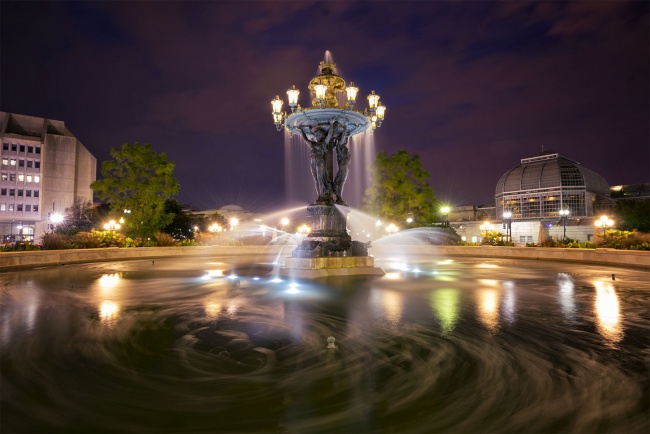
(326, 127)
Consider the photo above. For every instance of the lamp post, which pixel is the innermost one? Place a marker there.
(604, 222)
(507, 224)
(391, 228)
(564, 214)
(485, 227)
(445, 213)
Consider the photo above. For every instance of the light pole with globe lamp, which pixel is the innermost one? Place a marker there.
(564, 214)
(604, 222)
(507, 224)
(445, 213)
(486, 226)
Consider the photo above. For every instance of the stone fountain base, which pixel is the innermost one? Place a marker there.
(329, 250)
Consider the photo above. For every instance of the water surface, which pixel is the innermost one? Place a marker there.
(221, 345)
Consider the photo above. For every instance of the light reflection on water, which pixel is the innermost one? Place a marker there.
(435, 345)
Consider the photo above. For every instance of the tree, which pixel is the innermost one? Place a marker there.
(181, 226)
(633, 214)
(140, 180)
(399, 190)
(80, 216)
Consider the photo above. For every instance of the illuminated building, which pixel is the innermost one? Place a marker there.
(44, 167)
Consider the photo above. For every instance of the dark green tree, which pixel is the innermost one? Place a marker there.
(633, 214)
(181, 227)
(399, 190)
(79, 216)
(140, 180)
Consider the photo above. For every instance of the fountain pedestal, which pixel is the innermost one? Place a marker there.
(329, 250)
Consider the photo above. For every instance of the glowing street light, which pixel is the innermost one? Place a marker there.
(234, 221)
(486, 227)
(304, 229)
(284, 222)
(564, 214)
(445, 213)
(112, 226)
(215, 227)
(409, 220)
(507, 224)
(604, 222)
(391, 228)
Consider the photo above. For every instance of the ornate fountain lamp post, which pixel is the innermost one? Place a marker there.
(326, 127)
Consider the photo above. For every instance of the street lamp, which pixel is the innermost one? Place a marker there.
(485, 227)
(445, 213)
(234, 221)
(215, 228)
(564, 214)
(284, 222)
(507, 224)
(112, 226)
(604, 222)
(391, 228)
(304, 229)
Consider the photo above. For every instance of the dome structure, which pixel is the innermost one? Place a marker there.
(545, 183)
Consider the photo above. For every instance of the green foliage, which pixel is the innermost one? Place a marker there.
(495, 238)
(22, 246)
(80, 216)
(139, 180)
(181, 226)
(399, 190)
(624, 240)
(633, 215)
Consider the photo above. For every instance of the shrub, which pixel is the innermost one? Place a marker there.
(54, 241)
(164, 240)
(624, 240)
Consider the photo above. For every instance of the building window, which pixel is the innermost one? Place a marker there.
(11, 207)
(35, 208)
(522, 239)
(5, 161)
(28, 208)
(12, 162)
(12, 177)
(3, 191)
(30, 149)
(5, 146)
(12, 192)
(14, 146)
(21, 163)
(37, 179)
(21, 177)
(3, 207)
(20, 207)
(4, 176)
(35, 193)
(28, 193)
(22, 148)
(529, 238)
(30, 163)
(20, 192)
(37, 164)
(38, 149)
(29, 178)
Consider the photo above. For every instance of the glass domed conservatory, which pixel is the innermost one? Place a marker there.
(545, 183)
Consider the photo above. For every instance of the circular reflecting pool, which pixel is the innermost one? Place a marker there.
(222, 345)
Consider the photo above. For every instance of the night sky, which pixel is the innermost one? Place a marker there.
(470, 86)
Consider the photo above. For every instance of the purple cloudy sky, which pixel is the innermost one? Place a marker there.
(470, 86)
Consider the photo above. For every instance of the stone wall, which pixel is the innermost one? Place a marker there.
(21, 260)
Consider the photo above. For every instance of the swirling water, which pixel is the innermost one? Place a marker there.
(219, 345)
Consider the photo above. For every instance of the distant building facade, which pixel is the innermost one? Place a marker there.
(44, 168)
(535, 191)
